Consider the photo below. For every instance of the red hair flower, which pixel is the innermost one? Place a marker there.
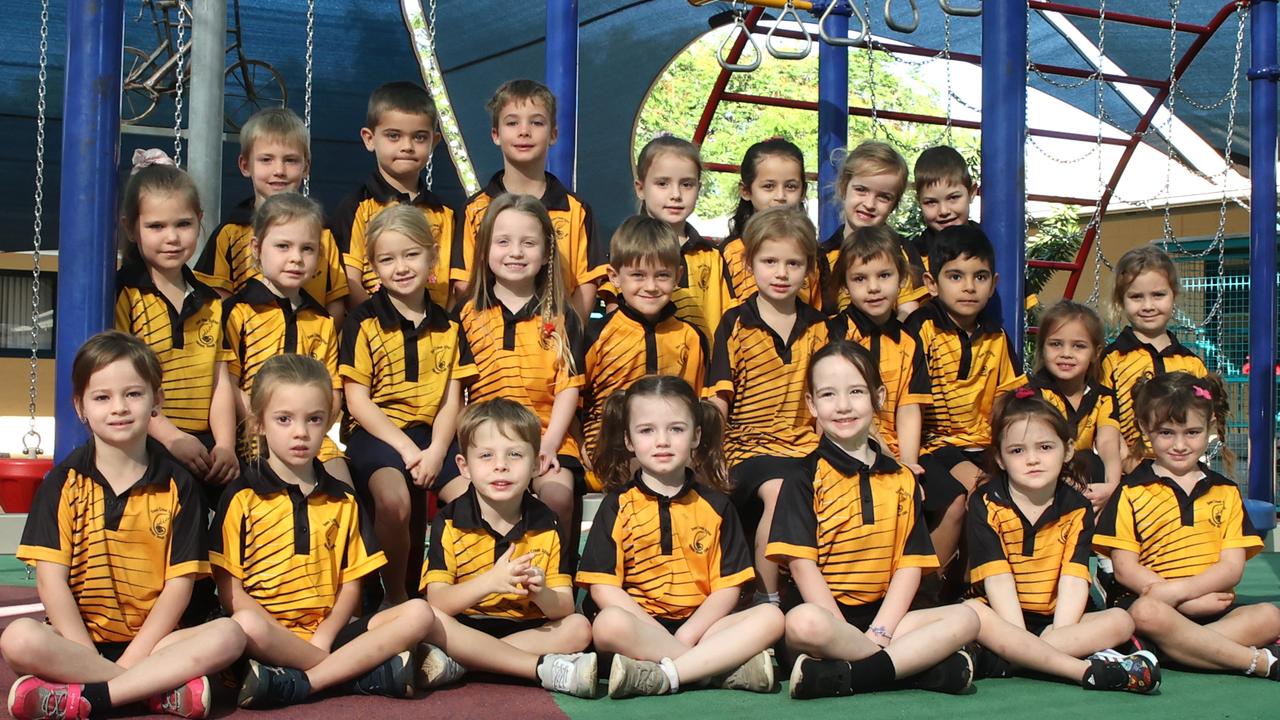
(1024, 392)
(548, 329)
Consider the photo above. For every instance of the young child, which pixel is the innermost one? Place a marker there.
(851, 531)
(668, 177)
(872, 179)
(772, 176)
(872, 268)
(401, 372)
(498, 578)
(666, 557)
(275, 154)
(756, 377)
(273, 314)
(117, 537)
(525, 341)
(400, 130)
(1145, 291)
(289, 549)
(1029, 538)
(944, 190)
(523, 117)
(1178, 536)
(643, 335)
(180, 318)
(970, 363)
(1068, 353)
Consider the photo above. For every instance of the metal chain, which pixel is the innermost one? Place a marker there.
(31, 441)
(1031, 140)
(306, 117)
(1099, 101)
(871, 71)
(946, 56)
(431, 38)
(180, 83)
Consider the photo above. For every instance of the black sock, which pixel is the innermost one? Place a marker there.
(98, 696)
(871, 673)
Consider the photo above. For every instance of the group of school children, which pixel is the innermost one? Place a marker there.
(816, 455)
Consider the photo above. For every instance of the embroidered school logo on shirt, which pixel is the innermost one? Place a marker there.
(208, 334)
(160, 523)
(701, 540)
(1216, 511)
(561, 226)
(902, 502)
(704, 277)
(440, 358)
(331, 534)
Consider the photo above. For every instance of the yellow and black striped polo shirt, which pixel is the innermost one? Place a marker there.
(293, 552)
(515, 359)
(761, 375)
(966, 374)
(1127, 360)
(910, 290)
(463, 547)
(859, 524)
(1097, 407)
(227, 260)
(258, 325)
(1003, 541)
(120, 549)
(406, 367)
(583, 253)
(740, 282)
(352, 217)
(188, 341)
(668, 553)
(902, 369)
(624, 346)
(1175, 535)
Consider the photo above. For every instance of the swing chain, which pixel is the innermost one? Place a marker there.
(306, 108)
(180, 83)
(1099, 99)
(31, 440)
(946, 58)
(431, 38)
(871, 67)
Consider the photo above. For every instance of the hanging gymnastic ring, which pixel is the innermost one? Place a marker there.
(843, 41)
(779, 53)
(960, 11)
(893, 24)
(741, 26)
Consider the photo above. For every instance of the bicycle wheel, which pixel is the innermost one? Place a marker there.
(136, 99)
(251, 86)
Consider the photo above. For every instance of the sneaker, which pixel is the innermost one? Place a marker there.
(629, 677)
(754, 675)
(987, 664)
(954, 675)
(271, 686)
(1136, 673)
(436, 668)
(814, 678)
(572, 674)
(31, 698)
(192, 700)
(1274, 649)
(393, 678)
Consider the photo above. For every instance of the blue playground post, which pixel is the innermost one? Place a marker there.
(833, 116)
(1004, 122)
(90, 157)
(1262, 250)
(562, 78)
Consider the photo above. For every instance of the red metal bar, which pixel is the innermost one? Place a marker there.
(1062, 199)
(1053, 265)
(722, 80)
(1120, 17)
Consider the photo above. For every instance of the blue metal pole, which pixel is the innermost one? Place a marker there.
(833, 117)
(1004, 122)
(562, 78)
(90, 158)
(1262, 250)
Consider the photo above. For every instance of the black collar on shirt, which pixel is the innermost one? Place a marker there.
(161, 468)
(390, 319)
(849, 466)
(555, 197)
(255, 292)
(379, 189)
(1065, 499)
(668, 310)
(1145, 474)
(892, 328)
(1044, 381)
(694, 240)
(1127, 341)
(241, 213)
(988, 322)
(806, 317)
(465, 514)
(265, 482)
(665, 531)
(511, 319)
(134, 274)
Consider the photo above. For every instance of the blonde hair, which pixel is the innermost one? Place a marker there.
(666, 145)
(287, 369)
(513, 420)
(281, 124)
(781, 223)
(286, 207)
(642, 239)
(872, 157)
(1147, 258)
(406, 220)
(514, 91)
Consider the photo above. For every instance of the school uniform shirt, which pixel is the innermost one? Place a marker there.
(258, 325)
(293, 552)
(583, 254)
(187, 340)
(120, 549)
(1038, 554)
(829, 252)
(1127, 360)
(741, 282)
(668, 553)
(966, 374)
(762, 376)
(1097, 407)
(227, 260)
(859, 523)
(464, 547)
(902, 370)
(406, 367)
(351, 221)
(624, 346)
(1175, 534)
(513, 357)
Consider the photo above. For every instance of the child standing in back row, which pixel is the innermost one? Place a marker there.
(944, 190)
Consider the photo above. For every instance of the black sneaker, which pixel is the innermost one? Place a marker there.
(271, 686)
(1136, 673)
(814, 678)
(393, 678)
(954, 675)
(987, 664)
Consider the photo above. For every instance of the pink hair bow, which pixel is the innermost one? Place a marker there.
(1201, 392)
(147, 158)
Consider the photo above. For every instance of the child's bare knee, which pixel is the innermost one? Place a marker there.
(612, 629)
(1150, 616)
(22, 642)
(256, 627)
(415, 617)
(577, 631)
(963, 622)
(807, 627)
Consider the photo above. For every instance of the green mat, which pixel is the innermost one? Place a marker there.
(13, 573)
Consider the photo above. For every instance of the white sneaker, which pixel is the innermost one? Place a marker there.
(629, 677)
(571, 674)
(754, 675)
(436, 668)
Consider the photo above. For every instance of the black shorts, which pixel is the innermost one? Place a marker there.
(367, 455)
(499, 627)
(860, 616)
(351, 631)
(941, 488)
(1036, 623)
(111, 650)
(746, 478)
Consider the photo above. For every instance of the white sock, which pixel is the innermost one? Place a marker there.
(669, 669)
(1268, 659)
